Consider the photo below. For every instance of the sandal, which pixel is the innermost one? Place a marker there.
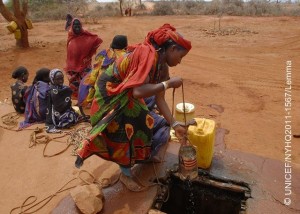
(131, 184)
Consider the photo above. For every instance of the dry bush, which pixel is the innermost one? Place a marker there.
(294, 11)
(263, 8)
(142, 10)
(163, 8)
(188, 7)
(141, 7)
(79, 8)
(233, 7)
(108, 9)
(54, 12)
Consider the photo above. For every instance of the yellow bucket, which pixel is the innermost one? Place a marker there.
(203, 137)
(189, 112)
(12, 26)
(17, 34)
(28, 24)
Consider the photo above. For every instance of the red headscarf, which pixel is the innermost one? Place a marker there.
(80, 49)
(166, 32)
(143, 56)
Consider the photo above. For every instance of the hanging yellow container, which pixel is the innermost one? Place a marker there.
(203, 137)
(17, 34)
(12, 26)
(28, 24)
(189, 112)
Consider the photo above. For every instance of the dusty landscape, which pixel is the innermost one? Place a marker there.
(235, 75)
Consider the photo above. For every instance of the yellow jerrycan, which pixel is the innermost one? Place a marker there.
(202, 136)
(12, 26)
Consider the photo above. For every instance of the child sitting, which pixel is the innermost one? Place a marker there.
(60, 113)
(18, 88)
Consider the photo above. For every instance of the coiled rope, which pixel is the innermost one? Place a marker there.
(75, 138)
(10, 120)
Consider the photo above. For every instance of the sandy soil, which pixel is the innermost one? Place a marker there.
(235, 76)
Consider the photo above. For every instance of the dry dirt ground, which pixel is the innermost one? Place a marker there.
(236, 76)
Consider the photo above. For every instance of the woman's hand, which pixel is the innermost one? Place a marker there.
(180, 131)
(191, 122)
(174, 82)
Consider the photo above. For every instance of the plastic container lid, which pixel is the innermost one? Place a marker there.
(189, 107)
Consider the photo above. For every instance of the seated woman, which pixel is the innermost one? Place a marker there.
(36, 103)
(19, 88)
(60, 113)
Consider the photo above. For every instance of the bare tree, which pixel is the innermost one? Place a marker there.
(19, 17)
(121, 9)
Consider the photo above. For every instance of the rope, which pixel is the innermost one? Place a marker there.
(183, 102)
(105, 182)
(10, 120)
(173, 101)
(75, 138)
(47, 200)
(161, 184)
(36, 138)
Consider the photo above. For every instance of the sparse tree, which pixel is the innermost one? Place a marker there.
(20, 8)
(121, 7)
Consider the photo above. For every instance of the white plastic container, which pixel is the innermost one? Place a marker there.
(189, 112)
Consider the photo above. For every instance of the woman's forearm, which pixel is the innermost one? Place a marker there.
(147, 90)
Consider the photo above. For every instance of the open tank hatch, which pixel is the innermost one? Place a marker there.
(205, 194)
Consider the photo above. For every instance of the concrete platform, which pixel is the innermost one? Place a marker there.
(264, 176)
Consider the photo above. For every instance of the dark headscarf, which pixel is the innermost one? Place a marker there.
(42, 75)
(119, 42)
(19, 72)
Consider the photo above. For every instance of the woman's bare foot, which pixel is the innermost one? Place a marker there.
(131, 184)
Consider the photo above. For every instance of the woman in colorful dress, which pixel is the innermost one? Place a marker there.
(19, 88)
(123, 127)
(81, 46)
(103, 59)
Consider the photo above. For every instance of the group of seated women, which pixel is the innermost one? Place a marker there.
(48, 100)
